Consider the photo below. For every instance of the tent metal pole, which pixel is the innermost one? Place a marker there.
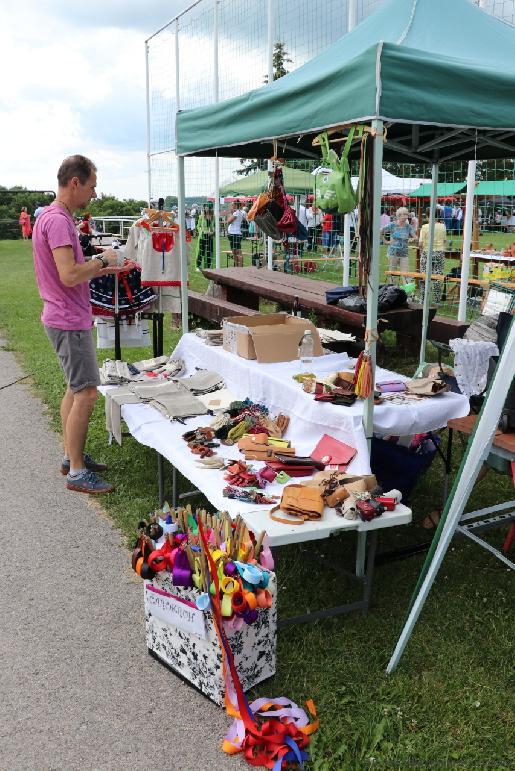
(270, 69)
(183, 253)
(467, 236)
(429, 263)
(477, 450)
(373, 279)
(346, 249)
(147, 90)
(352, 14)
(216, 96)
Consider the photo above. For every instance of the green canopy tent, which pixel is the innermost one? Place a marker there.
(296, 182)
(502, 188)
(443, 189)
(394, 72)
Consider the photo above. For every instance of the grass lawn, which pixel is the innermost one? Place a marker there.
(450, 704)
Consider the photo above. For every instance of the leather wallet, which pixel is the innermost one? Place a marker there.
(296, 460)
(335, 455)
(292, 471)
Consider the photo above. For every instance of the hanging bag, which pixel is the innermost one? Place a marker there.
(333, 189)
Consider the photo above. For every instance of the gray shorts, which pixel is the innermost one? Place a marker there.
(77, 356)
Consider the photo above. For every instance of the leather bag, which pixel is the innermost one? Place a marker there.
(299, 502)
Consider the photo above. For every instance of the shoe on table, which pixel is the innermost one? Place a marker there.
(89, 463)
(88, 482)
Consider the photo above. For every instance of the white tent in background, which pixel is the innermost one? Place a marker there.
(392, 185)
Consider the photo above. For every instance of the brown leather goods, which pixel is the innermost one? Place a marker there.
(337, 496)
(249, 441)
(292, 471)
(300, 503)
(265, 452)
(296, 460)
(426, 386)
(369, 510)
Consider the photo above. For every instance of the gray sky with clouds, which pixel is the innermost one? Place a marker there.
(73, 80)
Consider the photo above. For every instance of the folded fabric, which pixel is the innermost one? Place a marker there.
(115, 397)
(154, 389)
(335, 455)
(178, 406)
(202, 382)
(115, 372)
(147, 365)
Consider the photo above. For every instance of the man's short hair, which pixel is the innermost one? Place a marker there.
(75, 166)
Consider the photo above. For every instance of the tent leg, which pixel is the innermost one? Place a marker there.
(183, 254)
(346, 250)
(429, 264)
(373, 279)
(467, 235)
(477, 449)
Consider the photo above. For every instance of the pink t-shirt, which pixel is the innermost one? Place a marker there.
(65, 307)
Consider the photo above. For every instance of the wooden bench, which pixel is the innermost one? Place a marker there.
(228, 253)
(443, 329)
(246, 286)
(214, 308)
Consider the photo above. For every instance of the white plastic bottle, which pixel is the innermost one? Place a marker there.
(306, 351)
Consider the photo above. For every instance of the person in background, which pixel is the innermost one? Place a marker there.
(63, 276)
(415, 224)
(39, 208)
(24, 223)
(438, 261)
(234, 221)
(314, 220)
(447, 215)
(400, 232)
(206, 232)
(85, 235)
(459, 220)
(328, 234)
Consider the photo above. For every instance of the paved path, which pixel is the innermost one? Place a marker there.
(77, 687)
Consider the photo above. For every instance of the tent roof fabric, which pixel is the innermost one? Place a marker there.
(500, 187)
(296, 181)
(394, 66)
(443, 189)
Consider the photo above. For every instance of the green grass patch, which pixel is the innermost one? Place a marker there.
(450, 705)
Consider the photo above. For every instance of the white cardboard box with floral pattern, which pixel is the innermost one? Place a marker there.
(199, 660)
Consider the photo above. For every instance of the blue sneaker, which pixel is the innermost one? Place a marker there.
(89, 463)
(88, 482)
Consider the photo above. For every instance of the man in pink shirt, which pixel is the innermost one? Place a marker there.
(63, 276)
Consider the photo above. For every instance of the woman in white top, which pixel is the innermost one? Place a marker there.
(234, 233)
(438, 263)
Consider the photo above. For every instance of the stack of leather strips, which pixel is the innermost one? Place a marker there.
(169, 541)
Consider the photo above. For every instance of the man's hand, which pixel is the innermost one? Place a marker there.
(115, 269)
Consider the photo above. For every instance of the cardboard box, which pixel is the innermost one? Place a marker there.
(269, 337)
(199, 659)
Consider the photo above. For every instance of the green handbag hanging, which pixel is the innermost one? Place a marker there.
(333, 189)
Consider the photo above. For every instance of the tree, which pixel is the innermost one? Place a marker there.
(110, 206)
(280, 59)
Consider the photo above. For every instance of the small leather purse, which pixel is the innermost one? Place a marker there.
(300, 503)
(249, 441)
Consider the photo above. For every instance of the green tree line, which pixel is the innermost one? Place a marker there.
(12, 200)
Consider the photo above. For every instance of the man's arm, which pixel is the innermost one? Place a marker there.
(73, 273)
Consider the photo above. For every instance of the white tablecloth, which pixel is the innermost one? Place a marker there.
(150, 428)
(272, 384)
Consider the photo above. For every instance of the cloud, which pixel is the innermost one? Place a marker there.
(74, 81)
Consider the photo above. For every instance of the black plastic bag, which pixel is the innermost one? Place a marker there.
(390, 297)
(353, 303)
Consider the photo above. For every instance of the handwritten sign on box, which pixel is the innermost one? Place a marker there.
(175, 611)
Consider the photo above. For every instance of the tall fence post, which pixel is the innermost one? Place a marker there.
(270, 68)
(147, 88)
(467, 236)
(216, 97)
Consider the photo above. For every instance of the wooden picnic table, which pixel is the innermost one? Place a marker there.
(246, 286)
